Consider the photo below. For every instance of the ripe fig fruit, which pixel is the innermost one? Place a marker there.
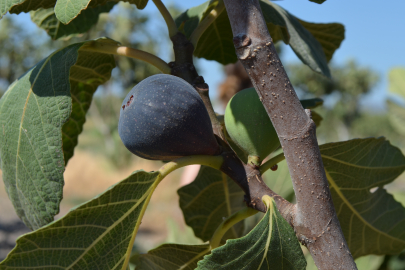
(163, 118)
(249, 126)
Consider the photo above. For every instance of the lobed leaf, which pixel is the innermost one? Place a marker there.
(272, 244)
(38, 135)
(46, 19)
(372, 222)
(207, 200)
(65, 10)
(94, 235)
(172, 257)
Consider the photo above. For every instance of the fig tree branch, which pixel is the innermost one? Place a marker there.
(128, 52)
(314, 218)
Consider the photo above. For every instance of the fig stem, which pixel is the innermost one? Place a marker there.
(271, 162)
(212, 161)
(171, 25)
(228, 223)
(206, 22)
(129, 52)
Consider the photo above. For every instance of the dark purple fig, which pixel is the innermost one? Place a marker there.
(163, 118)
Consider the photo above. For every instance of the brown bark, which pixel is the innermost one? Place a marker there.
(314, 219)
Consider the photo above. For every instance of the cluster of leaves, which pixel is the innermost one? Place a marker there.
(43, 112)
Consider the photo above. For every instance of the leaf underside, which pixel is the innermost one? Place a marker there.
(94, 235)
(211, 197)
(373, 223)
(272, 244)
(38, 135)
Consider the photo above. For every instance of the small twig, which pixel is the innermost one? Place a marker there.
(171, 25)
(206, 22)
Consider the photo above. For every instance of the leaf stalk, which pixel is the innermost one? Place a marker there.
(171, 25)
(129, 52)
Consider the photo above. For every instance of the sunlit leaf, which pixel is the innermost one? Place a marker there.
(272, 244)
(371, 220)
(172, 257)
(211, 197)
(46, 19)
(42, 114)
(94, 235)
(65, 10)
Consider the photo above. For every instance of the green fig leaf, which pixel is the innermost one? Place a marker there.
(94, 235)
(302, 42)
(46, 19)
(65, 10)
(272, 244)
(172, 257)
(42, 114)
(329, 35)
(372, 221)
(211, 197)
